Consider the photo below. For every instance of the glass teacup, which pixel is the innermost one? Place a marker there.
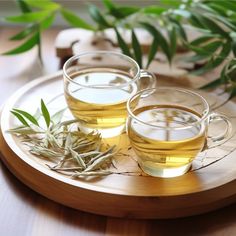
(168, 127)
(97, 86)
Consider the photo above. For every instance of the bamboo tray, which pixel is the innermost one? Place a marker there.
(208, 186)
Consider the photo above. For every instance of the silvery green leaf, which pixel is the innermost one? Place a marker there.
(45, 152)
(77, 158)
(99, 162)
(52, 140)
(91, 173)
(22, 130)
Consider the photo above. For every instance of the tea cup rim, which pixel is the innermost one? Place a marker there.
(69, 61)
(188, 91)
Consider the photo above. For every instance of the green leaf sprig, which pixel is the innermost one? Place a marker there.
(166, 22)
(73, 153)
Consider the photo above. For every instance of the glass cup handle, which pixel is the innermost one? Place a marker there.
(151, 77)
(213, 141)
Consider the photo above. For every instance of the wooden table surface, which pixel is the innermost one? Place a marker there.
(25, 212)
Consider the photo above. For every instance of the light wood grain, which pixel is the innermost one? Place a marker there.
(24, 212)
(115, 195)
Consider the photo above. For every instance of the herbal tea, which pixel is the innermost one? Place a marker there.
(100, 101)
(168, 147)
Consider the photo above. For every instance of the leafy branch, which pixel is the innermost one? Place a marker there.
(166, 22)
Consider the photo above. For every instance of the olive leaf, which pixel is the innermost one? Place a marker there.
(154, 10)
(47, 5)
(137, 49)
(45, 113)
(152, 51)
(47, 22)
(98, 17)
(75, 20)
(215, 60)
(29, 17)
(122, 44)
(20, 118)
(30, 43)
(213, 84)
(25, 33)
(159, 37)
(27, 116)
(119, 12)
(127, 10)
(23, 6)
(173, 40)
(202, 39)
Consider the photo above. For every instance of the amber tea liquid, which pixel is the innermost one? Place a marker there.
(102, 106)
(159, 149)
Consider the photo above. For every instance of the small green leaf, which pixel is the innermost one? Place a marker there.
(98, 17)
(173, 41)
(195, 21)
(197, 57)
(45, 113)
(223, 20)
(108, 4)
(119, 12)
(137, 49)
(127, 10)
(29, 17)
(27, 116)
(43, 4)
(171, 3)
(45, 24)
(152, 51)
(23, 6)
(212, 26)
(202, 39)
(218, 8)
(122, 44)
(20, 118)
(229, 5)
(75, 20)
(212, 84)
(206, 49)
(25, 33)
(27, 45)
(161, 39)
(214, 62)
(155, 10)
(179, 29)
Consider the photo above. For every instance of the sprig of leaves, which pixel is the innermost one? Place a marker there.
(72, 152)
(215, 20)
